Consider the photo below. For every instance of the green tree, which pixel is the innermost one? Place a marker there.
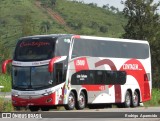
(103, 29)
(27, 25)
(48, 3)
(143, 20)
(45, 26)
(94, 25)
(53, 2)
(113, 9)
(75, 24)
(106, 7)
(144, 24)
(4, 52)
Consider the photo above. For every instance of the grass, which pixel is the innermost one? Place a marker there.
(5, 80)
(155, 101)
(5, 105)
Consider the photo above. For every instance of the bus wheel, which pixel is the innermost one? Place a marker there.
(127, 102)
(135, 101)
(17, 108)
(34, 108)
(81, 103)
(45, 108)
(71, 102)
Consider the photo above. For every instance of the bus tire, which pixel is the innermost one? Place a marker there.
(71, 102)
(81, 103)
(45, 108)
(135, 99)
(127, 101)
(34, 108)
(91, 106)
(17, 108)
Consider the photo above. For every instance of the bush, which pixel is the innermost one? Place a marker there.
(103, 29)
(155, 100)
(5, 105)
(5, 80)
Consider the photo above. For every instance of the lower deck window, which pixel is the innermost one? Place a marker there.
(98, 77)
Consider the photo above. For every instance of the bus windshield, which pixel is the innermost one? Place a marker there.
(31, 77)
(32, 49)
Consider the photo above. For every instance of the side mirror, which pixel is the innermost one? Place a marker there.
(51, 63)
(4, 65)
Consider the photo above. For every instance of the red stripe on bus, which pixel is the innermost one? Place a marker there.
(77, 36)
(106, 61)
(117, 93)
(94, 87)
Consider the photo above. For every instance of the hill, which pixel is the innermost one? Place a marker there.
(25, 17)
(18, 15)
(89, 19)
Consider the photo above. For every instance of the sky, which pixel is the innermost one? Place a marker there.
(115, 3)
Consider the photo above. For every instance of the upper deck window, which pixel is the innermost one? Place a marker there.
(113, 49)
(62, 46)
(35, 49)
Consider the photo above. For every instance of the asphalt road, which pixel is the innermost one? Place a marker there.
(81, 119)
(112, 114)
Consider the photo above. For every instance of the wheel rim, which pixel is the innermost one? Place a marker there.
(71, 101)
(128, 100)
(135, 98)
(81, 101)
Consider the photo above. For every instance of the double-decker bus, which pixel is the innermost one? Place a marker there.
(78, 71)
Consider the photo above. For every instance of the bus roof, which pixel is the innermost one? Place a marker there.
(113, 39)
(89, 37)
(49, 35)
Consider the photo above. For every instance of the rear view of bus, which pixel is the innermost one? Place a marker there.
(79, 71)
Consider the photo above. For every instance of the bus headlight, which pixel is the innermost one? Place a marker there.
(15, 95)
(47, 93)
